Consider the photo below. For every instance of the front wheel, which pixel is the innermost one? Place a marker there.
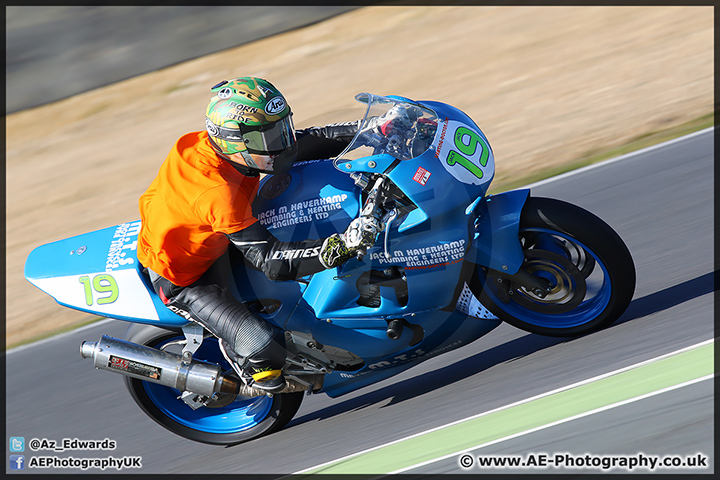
(582, 271)
(230, 421)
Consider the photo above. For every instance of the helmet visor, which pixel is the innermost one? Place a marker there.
(270, 139)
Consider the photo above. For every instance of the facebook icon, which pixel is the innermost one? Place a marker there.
(17, 462)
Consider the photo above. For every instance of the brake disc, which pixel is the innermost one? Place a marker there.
(567, 287)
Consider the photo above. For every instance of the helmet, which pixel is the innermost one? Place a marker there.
(249, 115)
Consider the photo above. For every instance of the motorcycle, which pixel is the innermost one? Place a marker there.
(451, 264)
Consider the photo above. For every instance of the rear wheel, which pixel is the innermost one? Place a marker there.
(231, 420)
(583, 273)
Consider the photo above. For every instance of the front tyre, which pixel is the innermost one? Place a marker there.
(587, 269)
(231, 421)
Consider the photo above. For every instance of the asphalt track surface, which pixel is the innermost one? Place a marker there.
(659, 200)
(85, 47)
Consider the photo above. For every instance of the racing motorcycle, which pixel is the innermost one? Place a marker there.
(451, 264)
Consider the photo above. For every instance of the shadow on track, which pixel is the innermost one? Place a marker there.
(440, 378)
(519, 347)
(670, 297)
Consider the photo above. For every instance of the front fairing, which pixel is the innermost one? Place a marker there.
(315, 201)
(441, 164)
(427, 243)
(441, 160)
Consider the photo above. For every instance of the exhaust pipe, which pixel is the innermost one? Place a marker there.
(157, 366)
(169, 369)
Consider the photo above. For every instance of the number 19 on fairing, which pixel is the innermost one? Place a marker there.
(468, 142)
(102, 283)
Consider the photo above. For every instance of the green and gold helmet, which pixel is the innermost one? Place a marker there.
(250, 115)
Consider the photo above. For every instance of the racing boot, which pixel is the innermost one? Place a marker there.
(254, 347)
(263, 369)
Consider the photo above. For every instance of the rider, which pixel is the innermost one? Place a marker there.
(201, 202)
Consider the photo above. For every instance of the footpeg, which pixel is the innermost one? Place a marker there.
(394, 329)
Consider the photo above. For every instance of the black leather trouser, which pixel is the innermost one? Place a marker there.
(210, 303)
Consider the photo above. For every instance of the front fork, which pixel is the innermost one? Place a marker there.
(496, 243)
(540, 287)
(379, 209)
(495, 230)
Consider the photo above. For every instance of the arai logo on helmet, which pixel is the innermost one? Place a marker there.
(275, 106)
(212, 129)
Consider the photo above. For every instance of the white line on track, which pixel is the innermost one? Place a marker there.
(558, 422)
(520, 402)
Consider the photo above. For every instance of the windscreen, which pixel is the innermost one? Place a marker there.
(400, 128)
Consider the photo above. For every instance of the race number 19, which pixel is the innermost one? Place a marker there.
(101, 284)
(468, 142)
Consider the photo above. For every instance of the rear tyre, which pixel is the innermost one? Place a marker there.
(228, 422)
(588, 269)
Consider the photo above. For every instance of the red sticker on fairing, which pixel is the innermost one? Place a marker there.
(421, 176)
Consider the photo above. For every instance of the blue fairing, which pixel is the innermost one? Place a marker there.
(318, 201)
(496, 226)
(99, 273)
(443, 331)
(314, 200)
(327, 305)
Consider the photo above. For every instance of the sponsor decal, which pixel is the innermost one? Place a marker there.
(137, 368)
(404, 358)
(299, 253)
(180, 312)
(275, 106)
(442, 137)
(421, 176)
(434, 265)
(119, 363)
(308, 162)
(121, 244)
(302, 212)
(431, 256)
(211, 127)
